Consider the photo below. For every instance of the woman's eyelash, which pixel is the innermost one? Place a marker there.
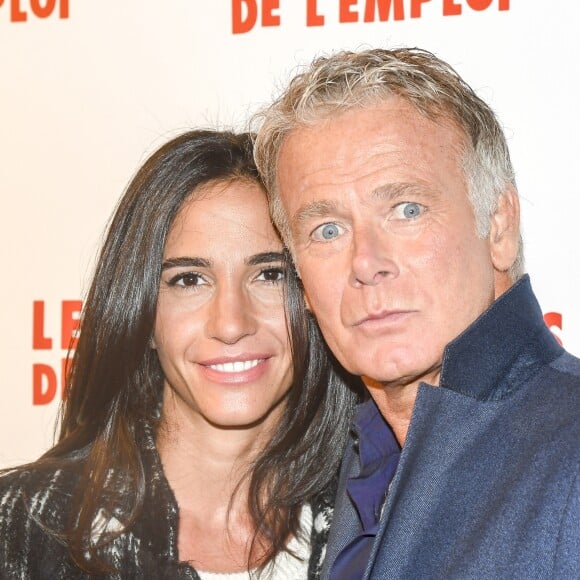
(193, 276)
(272, 274)
(278, 271)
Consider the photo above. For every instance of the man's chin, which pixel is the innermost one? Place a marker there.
(389, 378)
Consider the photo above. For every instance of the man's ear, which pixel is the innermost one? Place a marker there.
(504, 235)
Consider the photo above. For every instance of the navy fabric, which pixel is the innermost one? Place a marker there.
(488, 482)
(379, 455)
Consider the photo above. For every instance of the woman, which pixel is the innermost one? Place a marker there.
(199, 436)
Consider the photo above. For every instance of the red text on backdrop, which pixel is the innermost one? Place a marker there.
(246, 14)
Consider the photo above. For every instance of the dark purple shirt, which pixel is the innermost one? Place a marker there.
(379, 454)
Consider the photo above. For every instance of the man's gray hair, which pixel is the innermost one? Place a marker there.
(347, 80)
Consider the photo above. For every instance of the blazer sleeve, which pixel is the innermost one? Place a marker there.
(567, 559)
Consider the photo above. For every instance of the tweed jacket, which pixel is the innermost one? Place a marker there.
(488, 481)
(33, 499)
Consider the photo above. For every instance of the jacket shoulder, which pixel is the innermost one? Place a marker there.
(34, 506)
(567, 557)
(569, 365)
(33, 491)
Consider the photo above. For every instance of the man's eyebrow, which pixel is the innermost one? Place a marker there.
(389, 191)
(265, 258)
(184, 262)
(394, 191)
(316, 209)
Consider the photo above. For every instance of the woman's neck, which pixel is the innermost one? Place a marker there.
(206, 467)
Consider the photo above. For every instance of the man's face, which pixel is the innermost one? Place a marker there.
(385, 238)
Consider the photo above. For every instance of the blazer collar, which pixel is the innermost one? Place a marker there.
(507, 344)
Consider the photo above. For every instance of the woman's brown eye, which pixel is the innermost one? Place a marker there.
(272, 275)
(187, 279)
(190, 279)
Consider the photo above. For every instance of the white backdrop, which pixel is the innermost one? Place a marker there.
(89, 89)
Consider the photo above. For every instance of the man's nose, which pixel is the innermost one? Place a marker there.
(372, 256)
(231, 315)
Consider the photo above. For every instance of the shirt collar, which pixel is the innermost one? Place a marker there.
(506, 345)
(379, 454)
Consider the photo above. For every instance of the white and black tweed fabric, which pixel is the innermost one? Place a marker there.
(35, 504)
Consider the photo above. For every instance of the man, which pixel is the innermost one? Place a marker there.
(392, 184)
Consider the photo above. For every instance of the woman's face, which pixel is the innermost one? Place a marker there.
(220, 329)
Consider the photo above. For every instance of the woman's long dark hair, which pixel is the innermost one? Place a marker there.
(115, 380)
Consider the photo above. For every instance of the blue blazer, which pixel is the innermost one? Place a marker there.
(487, 485)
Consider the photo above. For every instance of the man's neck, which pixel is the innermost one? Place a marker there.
(396, 401)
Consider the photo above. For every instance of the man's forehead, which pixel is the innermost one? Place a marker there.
(363, 140)
(376, 119)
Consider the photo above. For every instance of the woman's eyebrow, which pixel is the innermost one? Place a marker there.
(185, 261)
(265, 258)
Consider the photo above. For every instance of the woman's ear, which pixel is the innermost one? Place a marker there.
(306, 302)
(504, 235)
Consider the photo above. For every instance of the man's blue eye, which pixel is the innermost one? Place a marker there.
(329, 231)
(411, 210)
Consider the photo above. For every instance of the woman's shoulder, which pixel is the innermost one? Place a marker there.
(32, 501)
(35, 495)
(33, 484)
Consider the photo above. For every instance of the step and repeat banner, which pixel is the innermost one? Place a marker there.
(89, 89)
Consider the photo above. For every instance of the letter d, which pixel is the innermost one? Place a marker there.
(239, 24)
(42, 396)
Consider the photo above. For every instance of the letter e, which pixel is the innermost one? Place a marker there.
(70, 323)
(346, 14)
(450, 8)
(268, 18)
